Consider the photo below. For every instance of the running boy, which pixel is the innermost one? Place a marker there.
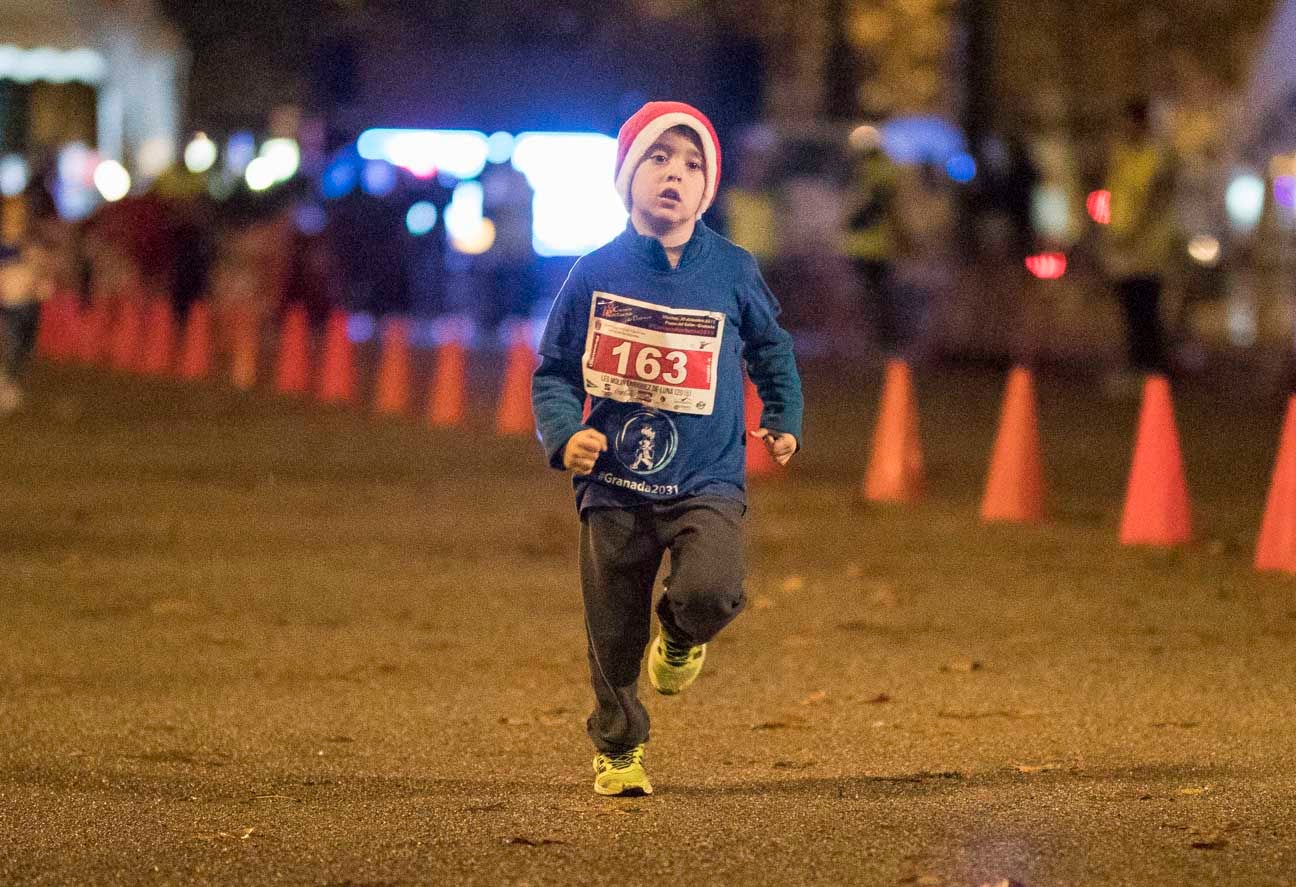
(654, 327)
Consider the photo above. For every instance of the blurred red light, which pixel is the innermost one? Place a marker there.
(1047, 266)
(1099, 206)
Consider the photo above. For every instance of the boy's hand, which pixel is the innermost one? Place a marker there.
(780, 446)
(582, 449)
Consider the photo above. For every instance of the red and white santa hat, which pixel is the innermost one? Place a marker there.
(646, 125)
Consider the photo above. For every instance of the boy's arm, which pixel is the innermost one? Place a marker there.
(767, 349)
(557, 387)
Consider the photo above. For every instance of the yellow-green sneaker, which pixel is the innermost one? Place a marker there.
(622, 774)
(671, 666)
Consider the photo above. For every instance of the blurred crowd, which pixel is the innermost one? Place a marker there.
(857, 244)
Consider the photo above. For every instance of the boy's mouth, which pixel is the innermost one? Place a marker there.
(670, 194)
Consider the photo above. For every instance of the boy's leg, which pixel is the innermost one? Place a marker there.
(704, 591)
(619, 557)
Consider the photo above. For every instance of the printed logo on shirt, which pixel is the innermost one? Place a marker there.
(664, 358)
(647, 442)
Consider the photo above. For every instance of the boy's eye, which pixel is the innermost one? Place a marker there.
(658, 157)
(694, 166)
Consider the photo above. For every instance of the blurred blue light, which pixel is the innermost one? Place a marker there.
(378, 178)
(576, 207)
(1284, 190)
(310, 219)
(421, 218)
(921, 139)
(361, 327)
(499, 147)
(340, 178)
(239, 151)
(961, 168)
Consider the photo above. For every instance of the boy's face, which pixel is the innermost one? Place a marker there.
(668, 185)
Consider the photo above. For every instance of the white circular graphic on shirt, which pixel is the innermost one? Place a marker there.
(647, 442)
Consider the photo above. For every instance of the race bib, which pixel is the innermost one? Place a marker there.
(666, 358)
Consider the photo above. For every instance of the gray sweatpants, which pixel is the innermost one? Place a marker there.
(620, 552)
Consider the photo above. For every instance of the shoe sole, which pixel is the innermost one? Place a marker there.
(628, 791)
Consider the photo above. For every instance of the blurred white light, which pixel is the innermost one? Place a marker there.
(200, 154)
(260, 174)
(499, 147)
(283, 156)
(421, 218)
(463, 217)
(424, 152)
(112, 180)
(77, 163)
(1051, 212)
(13, 175)
(1205, 250)
(1245, 200)
(478, 241)
(154, 156)
(576, 207)
(56, 66)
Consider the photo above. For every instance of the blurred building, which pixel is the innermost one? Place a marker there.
(107, 74)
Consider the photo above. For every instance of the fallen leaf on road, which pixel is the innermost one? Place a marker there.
(792, 765)
(815, 698)
(512, 722)
(524, 841)
(1003, 882)
(963, 664)
(794, 583)
(854, 571)
(878, 699)
(1011, 713)
(1186, 725)
(1210, 842)
(788, 723)
(1193, 790)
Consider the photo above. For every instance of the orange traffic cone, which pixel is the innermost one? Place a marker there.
(292, 374)
(96, 323)
(1276, 546)
(759, 462)
(514, 413)
(337, 369)
(124, 350)
(1015, 486)
(1156, 501)
(895, 469)
(446, 394)
(244, 337)
(195, 351)
(392, 391)
(159, 337)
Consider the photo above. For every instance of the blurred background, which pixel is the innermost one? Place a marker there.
(928, 177)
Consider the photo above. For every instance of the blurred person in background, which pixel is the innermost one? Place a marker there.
(26, 280)
(750, 206)
(507, 199)
(871, 239)
(1138, 244)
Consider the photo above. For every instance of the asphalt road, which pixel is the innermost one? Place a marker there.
(246, 641)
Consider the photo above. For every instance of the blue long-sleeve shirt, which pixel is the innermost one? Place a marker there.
(663, 368)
